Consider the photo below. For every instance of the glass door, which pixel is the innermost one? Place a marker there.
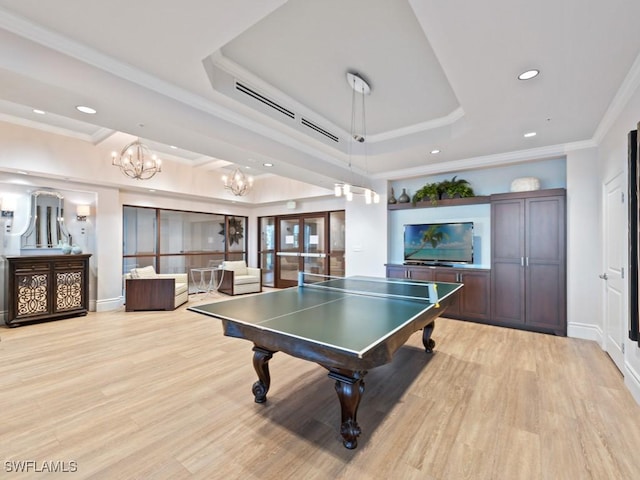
(267, 251)
(336, 248)
(288, 252)
(309, 242)
(313, 253)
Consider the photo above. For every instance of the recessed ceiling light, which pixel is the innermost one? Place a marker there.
(267, 164)
(530, 134)
(529, 74)
(39, 112)
(434, 151)
(87, 110)
(151, 190)
(22, 172)
(173, 147)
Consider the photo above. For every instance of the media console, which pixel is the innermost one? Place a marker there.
(474, 300)
(526, 285)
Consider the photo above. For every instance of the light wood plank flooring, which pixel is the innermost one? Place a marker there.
(164, 395)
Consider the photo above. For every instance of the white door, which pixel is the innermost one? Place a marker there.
(615, 234)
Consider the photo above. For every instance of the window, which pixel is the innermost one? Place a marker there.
(175, 241)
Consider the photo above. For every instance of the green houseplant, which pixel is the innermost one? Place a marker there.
(457, 188)
(432, 191)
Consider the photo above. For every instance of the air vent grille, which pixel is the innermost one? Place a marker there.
(320, 130)
(261, 98)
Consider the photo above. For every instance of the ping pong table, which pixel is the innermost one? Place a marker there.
(347, 325)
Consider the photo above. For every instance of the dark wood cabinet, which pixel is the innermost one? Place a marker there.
(415, 272)
(528, 260)
(473, 301)
(44, 287)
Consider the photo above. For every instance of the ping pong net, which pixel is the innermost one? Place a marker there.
(372, 287)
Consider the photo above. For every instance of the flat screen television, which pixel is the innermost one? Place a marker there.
(438, 243)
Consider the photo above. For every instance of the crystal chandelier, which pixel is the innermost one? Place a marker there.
(359, 85)
(238, 183)
(136, 161)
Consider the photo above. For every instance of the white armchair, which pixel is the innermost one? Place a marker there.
(238, 278)
(147, 290)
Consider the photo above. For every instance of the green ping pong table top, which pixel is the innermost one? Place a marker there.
(351, 314)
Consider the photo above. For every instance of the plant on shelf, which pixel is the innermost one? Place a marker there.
(454, 188)
(457, 188)
(431, 191)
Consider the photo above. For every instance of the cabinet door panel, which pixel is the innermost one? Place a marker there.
(507, 292)
(451, 276)
(545, 298)
(396, 272)
(421, 273)
(507, 230)
(475, 299)
(545, 233)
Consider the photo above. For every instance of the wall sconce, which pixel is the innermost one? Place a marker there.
(82, 212)
(9, 206)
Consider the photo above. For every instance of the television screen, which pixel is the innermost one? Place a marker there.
(439, 242)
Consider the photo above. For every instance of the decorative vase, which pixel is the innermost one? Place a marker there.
(66, 248)
(76, 250)
(392, 197)
(525, 184)
(404, 198)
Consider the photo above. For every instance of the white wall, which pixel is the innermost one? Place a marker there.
(366, 235)
(584, 246)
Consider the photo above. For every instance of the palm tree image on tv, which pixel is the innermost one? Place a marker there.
(439, 242)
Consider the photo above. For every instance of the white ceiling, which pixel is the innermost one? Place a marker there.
(443, 75)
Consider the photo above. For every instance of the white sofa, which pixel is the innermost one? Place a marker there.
(147, 290)
(238, 278)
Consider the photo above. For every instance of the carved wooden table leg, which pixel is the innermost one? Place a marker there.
(350, 387)
(261, 359)
(427, 341)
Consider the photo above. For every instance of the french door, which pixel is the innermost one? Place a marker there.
(301, 247)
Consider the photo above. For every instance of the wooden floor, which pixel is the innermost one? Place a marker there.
(165, 395)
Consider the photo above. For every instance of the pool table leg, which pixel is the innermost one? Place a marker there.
(350, 387)
(427, 341)
(261, 357)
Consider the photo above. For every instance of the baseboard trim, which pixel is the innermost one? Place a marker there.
(586, 331)
(109, 304)
(632, 381)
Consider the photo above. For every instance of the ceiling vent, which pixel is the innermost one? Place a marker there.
(261, 98)
(320, 130)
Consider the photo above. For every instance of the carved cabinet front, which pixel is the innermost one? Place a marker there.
(46, 287)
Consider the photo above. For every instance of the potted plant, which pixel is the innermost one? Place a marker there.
(457, 188)
(431, 191)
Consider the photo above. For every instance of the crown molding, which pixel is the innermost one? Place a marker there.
(629, 86)
(473, 163)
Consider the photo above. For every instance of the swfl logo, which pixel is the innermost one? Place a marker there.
(47, 466)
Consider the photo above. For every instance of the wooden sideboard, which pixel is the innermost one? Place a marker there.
(473, 301)
(46, 287)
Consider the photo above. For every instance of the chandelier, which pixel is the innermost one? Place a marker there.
(136, 161)
(238, 183)
(359, 85)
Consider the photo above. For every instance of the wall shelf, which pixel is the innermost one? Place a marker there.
(449, 202)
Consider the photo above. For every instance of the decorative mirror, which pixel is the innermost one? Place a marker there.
(46, 224)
